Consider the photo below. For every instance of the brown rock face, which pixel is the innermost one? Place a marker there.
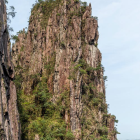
(9, 117)
(60, 46)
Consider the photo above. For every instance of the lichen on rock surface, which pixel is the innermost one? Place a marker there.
(59, 76)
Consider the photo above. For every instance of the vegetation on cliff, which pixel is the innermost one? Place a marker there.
(59, 76)
(38, 114)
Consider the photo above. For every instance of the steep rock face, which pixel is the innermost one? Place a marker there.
(59, 76)
(9, 117)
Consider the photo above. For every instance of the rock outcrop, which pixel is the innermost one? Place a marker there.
(59, 76)
(9, 116)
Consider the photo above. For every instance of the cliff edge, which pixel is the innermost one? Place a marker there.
(59, 76)
(9, 116)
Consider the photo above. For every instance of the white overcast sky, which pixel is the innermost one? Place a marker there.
(119, 42)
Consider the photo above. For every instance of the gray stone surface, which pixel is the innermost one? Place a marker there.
(9, 117)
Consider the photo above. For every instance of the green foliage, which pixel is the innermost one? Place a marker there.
(49, 66)
(105, 78)
(84, 4)
(15, 38)
(96, 18)
(20, 32)
(64, 102)
(22, 48)
(106, 115)
(62, 44)
(115, 132)
(70, 22)
(6, 1)
(101, 95)
(96, 45)
(58, 14)
(34, 76)
(18, 67)
(77, 67)
(104, 137)
(76, 1)
(83, 7)
(83, 63)
(18, 80)
(116, 121)
(91, 99)
(40, 1)
(47, 129)
(114, 117)
(103, 130)
(96, 101)
(11, 12)
(46, 8)
(82, 71)
(90, 96)
(85, 66)
(1, 132)
(103, 69)
(69, 135)
(103, 107)
(19, 56)
(35, 35)
(38, 114)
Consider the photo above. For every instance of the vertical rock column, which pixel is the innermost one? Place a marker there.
(68, 41)
(9, 117)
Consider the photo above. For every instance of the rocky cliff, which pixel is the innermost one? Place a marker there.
(9, 117)
(59, 76)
